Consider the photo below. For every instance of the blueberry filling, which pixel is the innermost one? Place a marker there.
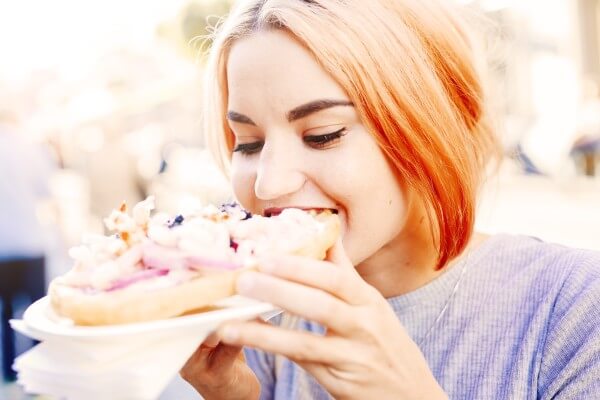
(229, 208)
(226, 206)
(175, 222)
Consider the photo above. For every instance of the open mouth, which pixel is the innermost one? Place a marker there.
(271, 212)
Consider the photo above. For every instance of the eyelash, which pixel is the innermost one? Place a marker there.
(316, 141)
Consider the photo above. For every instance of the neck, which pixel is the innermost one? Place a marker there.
(402, 265)
(408, 261)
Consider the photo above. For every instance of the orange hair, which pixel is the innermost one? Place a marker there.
(410, 68)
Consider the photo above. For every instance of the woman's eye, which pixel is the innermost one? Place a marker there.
(249, 148)
(320, 141)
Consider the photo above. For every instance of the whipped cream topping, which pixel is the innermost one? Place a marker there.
(146, 247)
(285, 233)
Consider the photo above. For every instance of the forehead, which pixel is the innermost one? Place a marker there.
(272, 68)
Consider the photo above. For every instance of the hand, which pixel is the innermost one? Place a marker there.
(219, 371)
(365, 354)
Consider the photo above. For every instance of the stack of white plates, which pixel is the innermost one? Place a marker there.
(133, 361)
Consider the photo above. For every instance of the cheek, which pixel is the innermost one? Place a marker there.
(374, 202)
(377, 216)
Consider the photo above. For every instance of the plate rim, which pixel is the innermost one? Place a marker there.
(246, 308)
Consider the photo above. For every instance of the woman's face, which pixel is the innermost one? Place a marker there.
(300, 143)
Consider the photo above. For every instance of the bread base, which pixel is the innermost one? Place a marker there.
(131, 305)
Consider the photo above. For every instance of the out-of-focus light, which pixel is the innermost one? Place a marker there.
(90, 139)
(46, 213)
(554, 95)
(47, 39)
(90, 105)
(551, 18)
(172, 148)
(496, 5)
(489, 5)
(145, 140)
(546, 18)
(71, 191)
(149, 165)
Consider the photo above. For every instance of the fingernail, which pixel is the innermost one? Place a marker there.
(230, 334)
(245, 283)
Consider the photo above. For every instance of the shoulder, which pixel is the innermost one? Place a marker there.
(575, 311)
(570, 355)
(559, 287)
(522, 272)
(529, 249)
(547, 267)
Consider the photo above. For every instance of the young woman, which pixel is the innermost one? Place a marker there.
(376, 109)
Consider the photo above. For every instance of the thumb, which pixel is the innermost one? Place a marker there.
(211, 341)
(337, 255)
(224, 356)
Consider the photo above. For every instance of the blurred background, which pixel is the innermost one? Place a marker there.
(99, 103)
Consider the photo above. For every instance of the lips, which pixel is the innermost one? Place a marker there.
(274, 211)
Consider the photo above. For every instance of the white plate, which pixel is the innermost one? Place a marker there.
(40, 320)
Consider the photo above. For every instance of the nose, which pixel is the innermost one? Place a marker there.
(278, 174)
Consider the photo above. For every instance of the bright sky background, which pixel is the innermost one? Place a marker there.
(68, 33)
(71, 35)
(43, 33)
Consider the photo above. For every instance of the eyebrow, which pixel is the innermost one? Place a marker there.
(241, 118)
(315, 106)
(297, 113)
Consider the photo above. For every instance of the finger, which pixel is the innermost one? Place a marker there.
(310, 303)
(209, 364)
(211, 341)
(337, 255)
(341, 282)
(196, 363)
(211, 349)
(298, 346)
(224, 355)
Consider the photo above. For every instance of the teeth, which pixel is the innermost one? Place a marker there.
(316, 211)
(313, 211)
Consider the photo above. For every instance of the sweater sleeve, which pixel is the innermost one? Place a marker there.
(263, 366)
(570, 365)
